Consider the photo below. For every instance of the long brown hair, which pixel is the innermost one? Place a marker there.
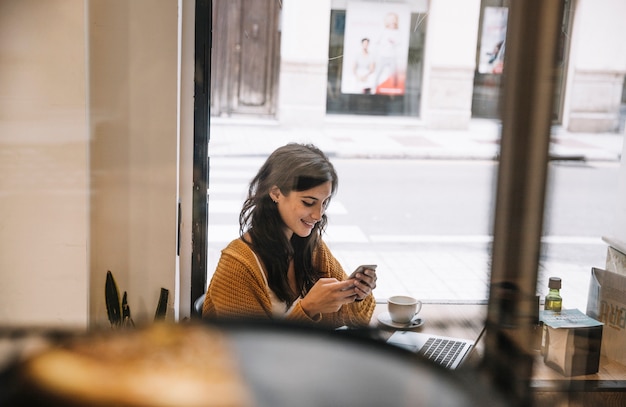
(293, 167)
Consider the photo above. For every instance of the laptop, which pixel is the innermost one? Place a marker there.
(447, 351)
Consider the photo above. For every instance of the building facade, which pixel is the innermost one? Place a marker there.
(297, 61)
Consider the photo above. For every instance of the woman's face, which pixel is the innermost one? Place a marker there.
(301, 210)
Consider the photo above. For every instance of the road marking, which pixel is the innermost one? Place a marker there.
(354, 234)
(230, 188)
(242, 175)
(478, 239)
(334, 234)
(345, 234)
(573, 240)
(431, 238)
(222, 233)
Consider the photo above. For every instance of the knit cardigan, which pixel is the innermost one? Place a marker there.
(238, 290)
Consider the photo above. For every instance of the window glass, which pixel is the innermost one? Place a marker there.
(363, 58)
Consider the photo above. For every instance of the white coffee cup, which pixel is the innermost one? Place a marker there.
(402, 308)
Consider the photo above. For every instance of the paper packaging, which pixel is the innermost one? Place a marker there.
(607, 303)
(573, 342)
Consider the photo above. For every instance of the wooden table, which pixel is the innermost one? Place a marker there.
(605, 388)
(461, 320)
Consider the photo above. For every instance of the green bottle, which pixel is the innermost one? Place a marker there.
(553, 299)
(553, 302)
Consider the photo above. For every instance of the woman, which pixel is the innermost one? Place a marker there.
(280, 267)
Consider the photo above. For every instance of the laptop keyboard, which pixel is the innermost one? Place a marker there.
(442, 351)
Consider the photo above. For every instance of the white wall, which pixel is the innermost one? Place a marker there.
(601, 25)
(43, 163)
(133, 84)
(88, 157)
(450, 60)
(303, 61)
(186, 154)
(597, 66)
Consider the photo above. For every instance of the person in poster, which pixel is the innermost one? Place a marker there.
(388, 50)
(364, 68)
(376, 46)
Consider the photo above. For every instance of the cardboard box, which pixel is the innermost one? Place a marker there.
(607, 303)
(573, 342)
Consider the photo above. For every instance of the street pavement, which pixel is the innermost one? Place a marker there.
(367, 138)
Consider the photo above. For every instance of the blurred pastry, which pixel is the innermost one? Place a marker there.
(164, 364)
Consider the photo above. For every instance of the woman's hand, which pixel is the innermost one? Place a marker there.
(364, 283)
(328, 295)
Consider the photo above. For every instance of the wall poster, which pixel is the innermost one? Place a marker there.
(376, 48)
(492, 40)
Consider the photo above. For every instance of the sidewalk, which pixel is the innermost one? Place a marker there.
(357, 138)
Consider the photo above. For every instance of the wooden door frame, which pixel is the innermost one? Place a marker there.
(202, 128)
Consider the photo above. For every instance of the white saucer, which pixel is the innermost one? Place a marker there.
(385, 319)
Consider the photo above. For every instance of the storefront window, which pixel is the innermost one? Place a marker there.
(375, 59)
(490, 50)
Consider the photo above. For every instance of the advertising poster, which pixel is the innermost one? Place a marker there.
(375, 48)
(492, 40)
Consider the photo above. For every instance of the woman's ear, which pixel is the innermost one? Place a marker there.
(275, 193)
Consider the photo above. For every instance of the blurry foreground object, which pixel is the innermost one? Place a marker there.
(235, 363)
(160, 365)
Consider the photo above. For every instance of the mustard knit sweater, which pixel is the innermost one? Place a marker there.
(238, 290)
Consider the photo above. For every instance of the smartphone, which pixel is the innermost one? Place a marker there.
(361, 269)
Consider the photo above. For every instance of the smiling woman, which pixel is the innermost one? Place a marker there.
(279, 267)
